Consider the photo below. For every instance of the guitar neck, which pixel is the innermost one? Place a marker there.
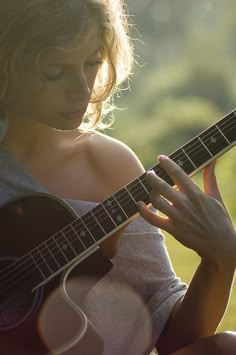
(191, 157)
(204, 148)
(85, 233)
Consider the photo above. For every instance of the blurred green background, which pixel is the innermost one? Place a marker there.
(185, 80)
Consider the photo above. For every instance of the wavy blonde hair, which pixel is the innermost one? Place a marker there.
(28, 27)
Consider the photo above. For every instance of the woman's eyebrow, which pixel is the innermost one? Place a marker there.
(61, 58)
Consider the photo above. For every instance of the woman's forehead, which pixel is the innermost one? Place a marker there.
(79, 47)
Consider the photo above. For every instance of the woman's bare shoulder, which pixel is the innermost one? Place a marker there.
(117, 160)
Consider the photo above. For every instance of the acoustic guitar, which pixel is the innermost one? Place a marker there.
(44, 245)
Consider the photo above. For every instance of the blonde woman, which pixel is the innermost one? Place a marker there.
(61, 62)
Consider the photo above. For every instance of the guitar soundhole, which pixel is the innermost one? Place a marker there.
(19, 306)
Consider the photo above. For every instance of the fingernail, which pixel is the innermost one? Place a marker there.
(151, 171)
(141, 204)
(162, 157)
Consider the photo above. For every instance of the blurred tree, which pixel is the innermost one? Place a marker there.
(185, 80)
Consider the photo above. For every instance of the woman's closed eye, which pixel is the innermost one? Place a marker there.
(56, 72)
(95, 62)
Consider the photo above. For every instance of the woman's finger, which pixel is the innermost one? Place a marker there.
(180, 178)
(153, 218)
(160, 187)
(164, 206)
(210, 182)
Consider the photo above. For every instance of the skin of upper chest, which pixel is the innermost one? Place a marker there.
(72, 171)
(80, 172)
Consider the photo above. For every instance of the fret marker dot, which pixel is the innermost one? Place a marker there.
(213, 140)
(64, 246)
(82, 234)
(109, 203)
(119, 218)
(180, 163)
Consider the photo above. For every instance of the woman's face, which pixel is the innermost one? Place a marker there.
(59, 100)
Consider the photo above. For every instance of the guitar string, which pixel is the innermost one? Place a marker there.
(69, 236)
(46, 249)
(48, 253)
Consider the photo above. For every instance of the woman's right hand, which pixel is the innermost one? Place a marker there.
(197, 219)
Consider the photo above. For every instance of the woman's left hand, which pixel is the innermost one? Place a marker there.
(197, 219)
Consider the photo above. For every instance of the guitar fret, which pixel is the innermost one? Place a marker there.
(204, 145)
(197, 152)
(83, 233)
(115, 211)
(227, 126)
(162, 174)
(48, 257)
(41, 249)
(106, 221)
(94, 228)
(143, 181)
(65, 247)
(60, 254)
(55, 252)
(181, 158)
(223, 134)
(37, 266)
(56, 262)
(132, 203)
(187, 155)
(131, 196)
(97, 220)
(138, 190)
(121, 207)
(214, 140)
(67, 235)
(41, 264)
(125, 199)
(74, 239)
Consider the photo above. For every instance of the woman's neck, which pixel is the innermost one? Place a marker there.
(34, 139)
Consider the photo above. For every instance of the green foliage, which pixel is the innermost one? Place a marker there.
(185, 81)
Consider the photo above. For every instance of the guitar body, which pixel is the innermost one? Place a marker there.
(47, 320)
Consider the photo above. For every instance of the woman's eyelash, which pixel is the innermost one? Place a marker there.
(96, 62)
(58, 76)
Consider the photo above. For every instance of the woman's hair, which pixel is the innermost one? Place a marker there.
(28, 27)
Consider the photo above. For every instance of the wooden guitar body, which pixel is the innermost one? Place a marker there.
(25, 327)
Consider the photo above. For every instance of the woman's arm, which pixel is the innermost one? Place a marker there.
(199, 221)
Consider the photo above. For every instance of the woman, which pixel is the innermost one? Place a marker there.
(61, 62)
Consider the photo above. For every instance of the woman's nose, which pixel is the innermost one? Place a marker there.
(78, 88)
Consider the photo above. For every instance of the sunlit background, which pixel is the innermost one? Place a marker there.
(185, 81)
